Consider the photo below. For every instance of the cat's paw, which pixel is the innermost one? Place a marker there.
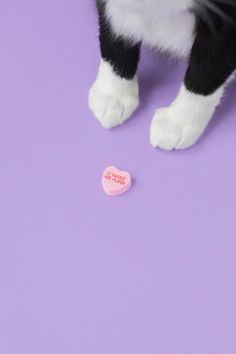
(180, 125)
(113, 99)
(164, 133)
(169, 132)
(115, 107)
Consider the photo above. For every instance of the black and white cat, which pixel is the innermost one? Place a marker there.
(204, 31)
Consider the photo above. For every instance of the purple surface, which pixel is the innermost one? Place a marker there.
(150, 272)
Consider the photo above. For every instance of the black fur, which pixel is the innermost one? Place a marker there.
(123, 55)
(213, 56)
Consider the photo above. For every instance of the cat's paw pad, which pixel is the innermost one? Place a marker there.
(112, 108)
(165, 133)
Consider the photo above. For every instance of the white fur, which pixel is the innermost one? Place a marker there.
(166, 24)
(112, 99)
(180, 125)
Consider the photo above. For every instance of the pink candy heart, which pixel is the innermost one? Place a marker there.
(115, 182)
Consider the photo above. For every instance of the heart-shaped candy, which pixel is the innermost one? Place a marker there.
(115, 182)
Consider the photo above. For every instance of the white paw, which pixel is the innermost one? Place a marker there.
(180, 125)
(169, 133)
(112, 99)
(111, 109)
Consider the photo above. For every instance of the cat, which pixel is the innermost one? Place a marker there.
(201, 31)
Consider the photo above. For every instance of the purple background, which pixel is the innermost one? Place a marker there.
(152, 271)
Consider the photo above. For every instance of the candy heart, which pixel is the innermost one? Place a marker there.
(115, 182)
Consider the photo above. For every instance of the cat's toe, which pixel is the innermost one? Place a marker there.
(164, 132)
(112, 109)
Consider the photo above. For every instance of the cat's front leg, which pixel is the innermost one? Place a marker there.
(212, 62)
(115, 94)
